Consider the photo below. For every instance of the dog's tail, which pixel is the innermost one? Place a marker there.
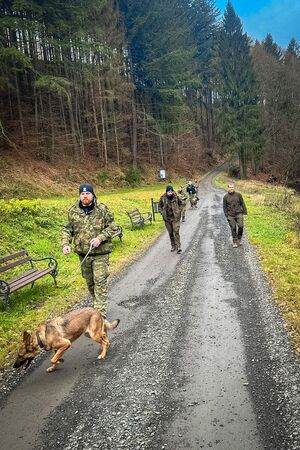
(111, 325)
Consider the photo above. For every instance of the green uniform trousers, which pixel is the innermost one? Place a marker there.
(173, 230)
(237, 226)
(95, 270)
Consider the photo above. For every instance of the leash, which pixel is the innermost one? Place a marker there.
(89, 251)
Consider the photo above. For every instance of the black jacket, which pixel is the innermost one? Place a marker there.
(233, 204)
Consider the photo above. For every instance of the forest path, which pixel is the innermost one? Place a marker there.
(200, 359)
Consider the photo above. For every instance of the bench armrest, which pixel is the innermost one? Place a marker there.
(52, 262)
(118, 233)
(147, 213)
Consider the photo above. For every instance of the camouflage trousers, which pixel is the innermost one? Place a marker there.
(173, 230)
(193, 200)
(183, 210)
(95, 270)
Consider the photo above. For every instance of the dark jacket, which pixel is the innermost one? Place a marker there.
(174, 206)
(233, 204)
(191, 189)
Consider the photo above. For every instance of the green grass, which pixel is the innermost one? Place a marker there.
(272, 226)
(36, 225)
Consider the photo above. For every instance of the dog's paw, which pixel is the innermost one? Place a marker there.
(51, 369)
(101, 356)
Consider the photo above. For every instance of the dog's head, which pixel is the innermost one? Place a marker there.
(28, 350)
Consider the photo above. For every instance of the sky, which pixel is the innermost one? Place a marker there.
(281, 18)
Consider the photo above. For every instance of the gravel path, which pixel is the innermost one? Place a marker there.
(200, 359)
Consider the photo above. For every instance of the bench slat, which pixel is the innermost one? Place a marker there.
(15, 264)
(13, 256)
(23, 275)
(30, 279)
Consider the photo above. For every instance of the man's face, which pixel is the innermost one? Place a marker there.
(86, 198)
(170, 194)
(231, 188)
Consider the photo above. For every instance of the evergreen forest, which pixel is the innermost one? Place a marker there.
(170, 83)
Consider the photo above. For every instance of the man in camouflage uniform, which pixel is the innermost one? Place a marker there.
(183, 197)
(234, 209)
(192, 192)
(170, 207)
(91, 224)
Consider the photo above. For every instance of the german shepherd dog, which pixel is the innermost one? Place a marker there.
(58, 334)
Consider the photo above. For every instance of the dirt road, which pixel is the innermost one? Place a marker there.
(200, 359)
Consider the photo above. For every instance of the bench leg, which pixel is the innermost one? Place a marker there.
(53, 275)
(5, 300)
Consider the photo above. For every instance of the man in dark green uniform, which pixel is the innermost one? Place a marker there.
(170, 207)
(91, 226)
(234, 209)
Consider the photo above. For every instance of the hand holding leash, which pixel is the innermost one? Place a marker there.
(89, 251)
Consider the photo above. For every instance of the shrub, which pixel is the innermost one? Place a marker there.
(133, 176)
(234, 171)
(103, 176)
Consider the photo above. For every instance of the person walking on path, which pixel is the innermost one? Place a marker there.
(170, 208)
(192, 192)
(234, 209)
(91, 226)
(183, 197)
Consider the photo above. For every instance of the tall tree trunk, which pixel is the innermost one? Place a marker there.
(162, 160)
(95, 121)
(134, 131)
(104, 138)
(19, 108)
(52, 129)
(116, 138)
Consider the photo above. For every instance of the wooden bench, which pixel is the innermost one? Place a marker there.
(138, 218)
(22, 258)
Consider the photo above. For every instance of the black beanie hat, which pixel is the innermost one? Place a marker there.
(169, 188)
(86, 187)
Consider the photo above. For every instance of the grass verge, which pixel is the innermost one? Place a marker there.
(273, 227)
(36, 225)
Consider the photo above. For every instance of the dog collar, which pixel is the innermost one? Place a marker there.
(39, 341)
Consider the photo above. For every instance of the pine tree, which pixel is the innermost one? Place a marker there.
(271, 47)
(203, 17)
(240, 128)
(293, 48)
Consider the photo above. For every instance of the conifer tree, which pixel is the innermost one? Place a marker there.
(271, 47)
(240, 128)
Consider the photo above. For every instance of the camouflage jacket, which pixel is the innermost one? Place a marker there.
(175, 204)
(183, 197)
(82, 227)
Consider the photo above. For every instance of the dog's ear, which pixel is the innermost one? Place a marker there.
(26, 338)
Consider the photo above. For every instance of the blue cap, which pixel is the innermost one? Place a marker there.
(86, 187)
